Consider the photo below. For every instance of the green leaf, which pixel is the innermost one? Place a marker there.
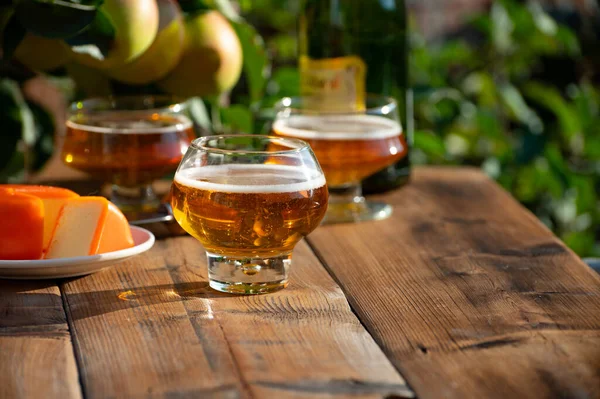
(429, 143)
(226, 8)
(587, 103)
(238, 119)
(580, 242)
(481, 84)
(502, 28)
(592, 146)
(443, 105)
(193, 6)
(558, 164)
(199, 114)
(57, 19)
(456, 53)
(542, 20)
(586, 198)
(519, 109)
(13, 34)
(489, 124)
(284, 46)
(550, 98)
(256, 61)
(569, 40)
(97, 39)
(483, 24)
(19, 127)
(28, 131)
(285, 82)
(526, 184)
(531, 146)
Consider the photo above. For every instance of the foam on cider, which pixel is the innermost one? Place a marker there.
(337, 127)
(251, 178)
(114, 125)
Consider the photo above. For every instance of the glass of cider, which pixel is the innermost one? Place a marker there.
(249, 200)
(350, 145)
(128, 142)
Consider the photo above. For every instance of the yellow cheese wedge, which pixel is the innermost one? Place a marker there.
(88, 226)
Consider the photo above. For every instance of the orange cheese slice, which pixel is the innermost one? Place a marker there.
(89, 226)
(116, 234)
(21, 226)
(53, 198)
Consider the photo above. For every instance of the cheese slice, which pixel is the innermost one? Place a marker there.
(53, 198)
(116, 234)
(89, 226)
(21, 226)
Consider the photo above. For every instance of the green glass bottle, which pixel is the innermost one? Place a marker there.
(369, 38)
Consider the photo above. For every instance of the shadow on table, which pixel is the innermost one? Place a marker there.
(25, 302)
(11, 287)
(30, 304)
(90, 304)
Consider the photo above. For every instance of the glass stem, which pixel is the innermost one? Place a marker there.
(135, 200)
(347, 205)
(348, 194)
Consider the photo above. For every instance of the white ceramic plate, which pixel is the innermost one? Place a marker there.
(72, 267)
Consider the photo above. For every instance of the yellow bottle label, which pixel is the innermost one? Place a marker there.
(333, 84)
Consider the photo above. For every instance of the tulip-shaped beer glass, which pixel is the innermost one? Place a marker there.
(249, 200)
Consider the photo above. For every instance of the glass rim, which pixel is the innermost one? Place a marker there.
(287, 103)
(298, 145)
(97, 104)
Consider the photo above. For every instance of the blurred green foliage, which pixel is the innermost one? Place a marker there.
(26, 142)
(509, 99)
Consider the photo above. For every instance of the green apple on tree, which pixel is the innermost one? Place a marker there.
(212, 58)
(135, 24)
(164, 53)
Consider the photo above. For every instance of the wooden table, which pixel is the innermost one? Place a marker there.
(461, 294)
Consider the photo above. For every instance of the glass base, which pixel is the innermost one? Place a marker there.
(347, 205)
(354, 212)
(135, 202)
(248, 275)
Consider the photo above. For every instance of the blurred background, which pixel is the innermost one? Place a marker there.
(510, 86)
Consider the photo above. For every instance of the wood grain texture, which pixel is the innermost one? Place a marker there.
(36, 355)
(469, 294)
(151, 327)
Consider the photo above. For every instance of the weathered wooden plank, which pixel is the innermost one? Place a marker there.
(151, 326)
(36, 355)
(134, 337)
(468, 294)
